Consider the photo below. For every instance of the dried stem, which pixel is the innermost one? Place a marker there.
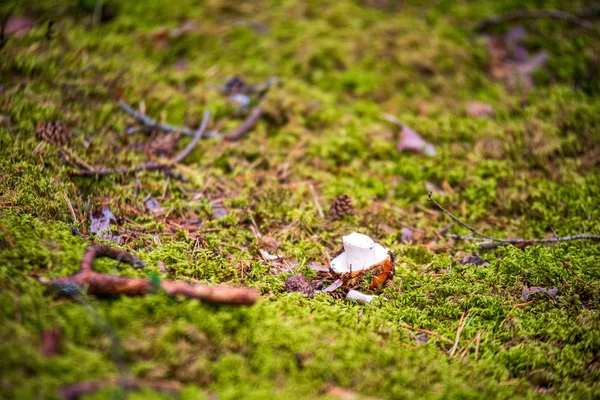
(535, 14)
(245, 126)
(105, 285)
(490, 242)
(150, 124)
(461, 326)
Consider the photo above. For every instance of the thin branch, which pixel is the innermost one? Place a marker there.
(567, 266)
(105, 285)
(535, 14)
(197, 136)
(151, 124)
(245, 126)
(490, 242)
(153, 165)
(458, 221)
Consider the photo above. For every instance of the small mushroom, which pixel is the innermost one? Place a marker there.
(361, 255)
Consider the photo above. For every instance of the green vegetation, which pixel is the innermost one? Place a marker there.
(530, 169)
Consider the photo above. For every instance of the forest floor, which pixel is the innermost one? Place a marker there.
(506, 121)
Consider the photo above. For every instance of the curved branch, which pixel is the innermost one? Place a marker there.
(490, 242)
(105, 285)
(535, 14)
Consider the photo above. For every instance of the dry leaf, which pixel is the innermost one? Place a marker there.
(18, 25)
(412, 141)
(476, 110)
(526, 292)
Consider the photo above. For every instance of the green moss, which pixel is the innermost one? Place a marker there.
(531, 169)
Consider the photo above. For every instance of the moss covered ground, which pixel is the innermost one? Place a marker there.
(530, 169)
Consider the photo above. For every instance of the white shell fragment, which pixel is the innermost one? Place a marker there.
(360, 297)
(360, 253)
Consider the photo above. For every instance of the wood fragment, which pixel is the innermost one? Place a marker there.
(517, 15)
(245, 126)
(490, 242)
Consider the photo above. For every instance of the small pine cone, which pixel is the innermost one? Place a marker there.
(54, 132)
(235, 85)
(341, 207)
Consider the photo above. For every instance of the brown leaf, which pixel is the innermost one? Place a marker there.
(317, 267)
(510, 61)
(412, 141)
(269, 243)
(341, 393)
(526, 292)
(101, 222)
(18, 25)
(474, 259)
(337, 284)
(50, 342)
(477, 110)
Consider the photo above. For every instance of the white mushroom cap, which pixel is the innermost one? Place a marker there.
(360, 253)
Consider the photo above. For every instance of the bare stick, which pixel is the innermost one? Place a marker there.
(105, 285)
(73, 159)
(567, 266)
(245, 126)
(496, 242)
(458, 221)
(535, 14)
(151, 124)
(437, 335)
(153, 165)
(197, 136)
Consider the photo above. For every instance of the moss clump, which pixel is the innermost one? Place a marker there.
(530, 169)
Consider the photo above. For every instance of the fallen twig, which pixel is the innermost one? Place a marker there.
(150, 124)
(75, 391)
(245, 126)
(153, 165)
(567, 266)
(110, 285)
(490, 242)
(535, 14)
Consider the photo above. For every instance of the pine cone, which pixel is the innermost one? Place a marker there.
(341, 207)
(54, 132)
(235, 85)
